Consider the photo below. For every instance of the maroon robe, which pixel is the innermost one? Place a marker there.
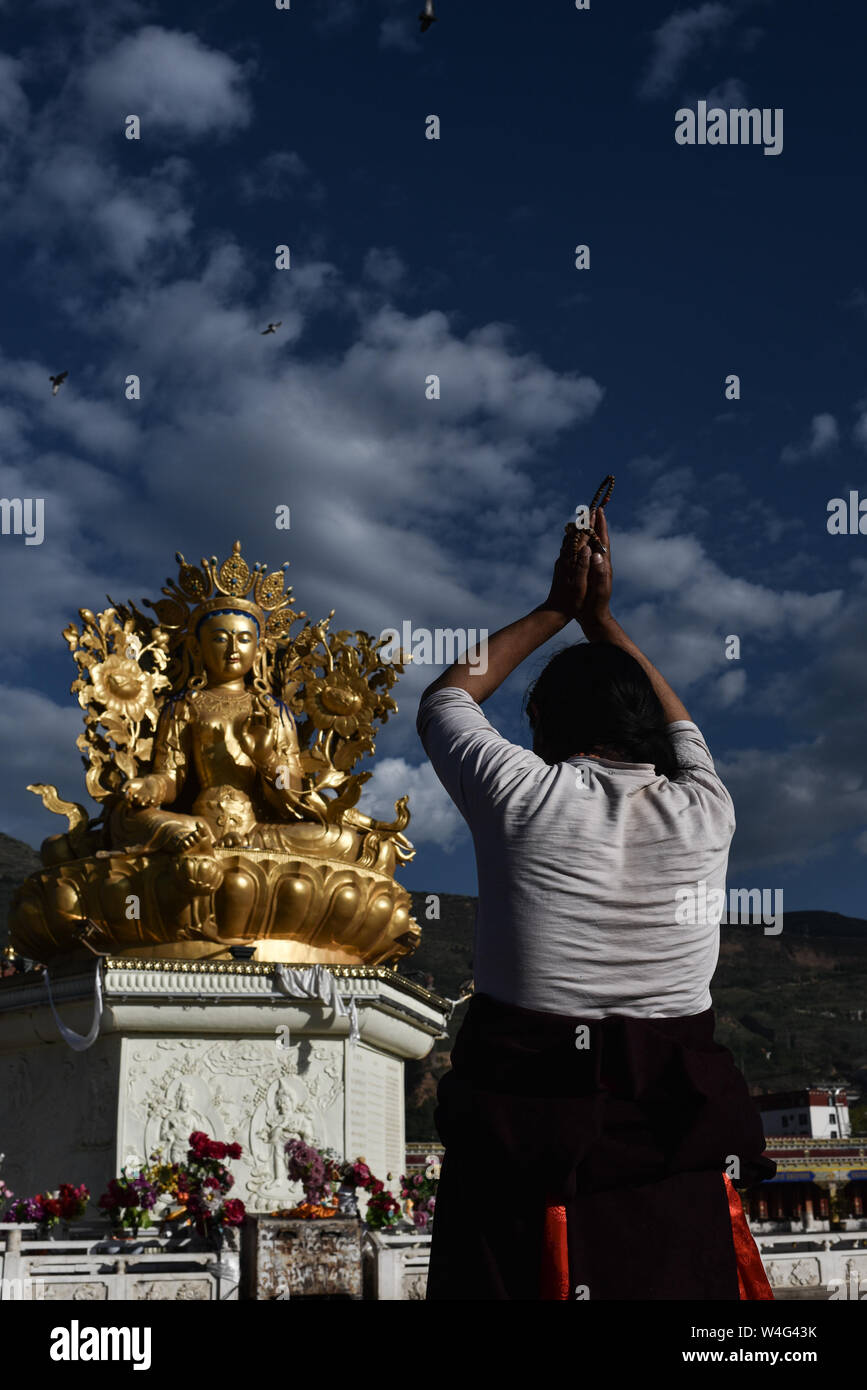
(631, 1133)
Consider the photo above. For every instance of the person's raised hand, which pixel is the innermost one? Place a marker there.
(595, 608)
(569, 583)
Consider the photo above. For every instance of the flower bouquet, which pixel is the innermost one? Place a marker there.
(419, 1193)
(198, 1187)
(317, 1171)
(129, 1200)
(47, 1209)
(383, 1210)
(190, 1194)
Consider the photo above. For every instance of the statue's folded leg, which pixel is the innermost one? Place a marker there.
(154, 829)
(299, 836)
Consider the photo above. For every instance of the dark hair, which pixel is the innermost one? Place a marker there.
(594, 696)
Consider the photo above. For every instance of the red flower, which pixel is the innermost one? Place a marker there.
(73, 1200)
(233, 1150)
(233, 1211)
(199, 1141)
(376, 1185)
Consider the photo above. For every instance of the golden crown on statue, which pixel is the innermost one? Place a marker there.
(209, 586)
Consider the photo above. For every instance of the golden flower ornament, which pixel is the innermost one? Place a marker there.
(122, 686)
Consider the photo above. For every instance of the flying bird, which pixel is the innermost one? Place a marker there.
(272, 328)
(57, 382)
(427, 16)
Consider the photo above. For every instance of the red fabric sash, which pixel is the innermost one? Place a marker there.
(752, 1281)
(555, 1255)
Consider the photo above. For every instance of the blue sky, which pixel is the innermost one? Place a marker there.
(412, 256)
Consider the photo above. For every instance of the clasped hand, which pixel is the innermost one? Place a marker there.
(581, 585)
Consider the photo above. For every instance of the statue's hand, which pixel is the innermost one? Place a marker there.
(257, 740)
(140, 792)
(183, 840)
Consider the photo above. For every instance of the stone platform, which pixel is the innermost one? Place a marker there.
(213, 1046)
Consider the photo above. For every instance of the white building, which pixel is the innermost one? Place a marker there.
(816, 1113)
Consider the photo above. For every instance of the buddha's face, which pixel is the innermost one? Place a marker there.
(228, 643)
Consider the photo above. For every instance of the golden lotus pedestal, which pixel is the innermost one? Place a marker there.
(312, 906)
(219, 1046)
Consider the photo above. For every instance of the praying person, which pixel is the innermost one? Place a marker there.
(592, 1126)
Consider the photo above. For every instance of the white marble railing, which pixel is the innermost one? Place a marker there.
(44, 1269)
(815, 1264)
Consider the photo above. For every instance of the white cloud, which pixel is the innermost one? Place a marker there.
(384, 267)
(435, 818)
(810, 807)
(677, 40)
(729, 689)
(480, 375)
(679, 568)
(859, 431)
(816, 785)
(173, 81)
(824, 434)
(73, 197)
(727, 94)
(14, 107)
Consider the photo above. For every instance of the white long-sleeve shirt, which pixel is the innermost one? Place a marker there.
(579, 865)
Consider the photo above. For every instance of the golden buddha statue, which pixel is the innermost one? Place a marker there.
(222, 750)
(219, 825)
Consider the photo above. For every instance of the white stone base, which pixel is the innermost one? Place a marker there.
(209, 1046)
(396, 1265)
